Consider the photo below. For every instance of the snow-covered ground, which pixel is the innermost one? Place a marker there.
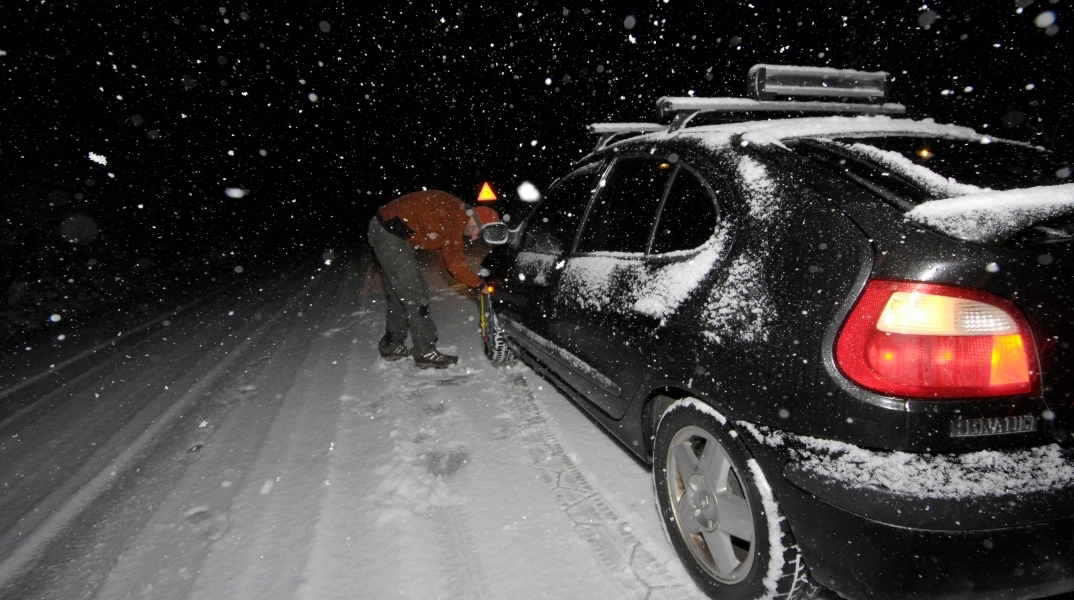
(253, 445)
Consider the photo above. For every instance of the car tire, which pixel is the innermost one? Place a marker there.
(498, 348)
(496, 343)
(719, 512)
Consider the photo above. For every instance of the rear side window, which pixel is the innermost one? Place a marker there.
(622, 215)
(551, 227)
(690, 213)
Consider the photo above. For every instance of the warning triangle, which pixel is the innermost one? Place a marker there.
(486, 194)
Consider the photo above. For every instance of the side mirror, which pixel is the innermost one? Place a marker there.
(495, 234)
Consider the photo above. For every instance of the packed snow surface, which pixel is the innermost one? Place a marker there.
(254, 445)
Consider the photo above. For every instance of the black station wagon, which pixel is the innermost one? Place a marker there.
(840, 336)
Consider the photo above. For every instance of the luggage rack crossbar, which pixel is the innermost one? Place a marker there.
(611, 131)
(866, 90)
(683, 109)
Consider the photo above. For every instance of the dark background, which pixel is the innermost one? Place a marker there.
(321, 111)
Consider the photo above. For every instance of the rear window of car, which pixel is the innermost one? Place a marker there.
(988, 164)
(908, 170)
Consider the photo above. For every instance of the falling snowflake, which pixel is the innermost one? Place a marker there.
(527, 192)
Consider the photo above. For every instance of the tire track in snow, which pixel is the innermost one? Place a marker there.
(170, 548)
(274, 514)
(118, 341)
(399, 473)
(29, 547)
(416, 494)
(439, 463)
(26, 547)
(634, 568)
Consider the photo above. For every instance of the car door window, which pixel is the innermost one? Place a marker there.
(551, 228)
(622, 215)
(689, 215)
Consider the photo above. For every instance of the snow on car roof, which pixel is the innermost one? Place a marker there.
(973, 214)
(776, 130)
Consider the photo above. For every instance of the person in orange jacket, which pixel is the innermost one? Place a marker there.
(423, 220)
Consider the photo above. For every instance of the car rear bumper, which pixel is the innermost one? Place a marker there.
(862, 558)
(891, 525)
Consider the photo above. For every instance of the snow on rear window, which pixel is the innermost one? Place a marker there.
(928, 476)
(935, 184)
(992, 217)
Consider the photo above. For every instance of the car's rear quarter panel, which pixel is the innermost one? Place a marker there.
(806, 264)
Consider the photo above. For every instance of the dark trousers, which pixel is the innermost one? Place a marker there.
(408, 295)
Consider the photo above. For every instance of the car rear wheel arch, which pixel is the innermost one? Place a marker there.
(656, 404)
(733, 537)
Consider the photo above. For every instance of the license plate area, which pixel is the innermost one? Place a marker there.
(987, 426)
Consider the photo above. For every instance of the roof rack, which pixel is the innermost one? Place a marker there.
(610, 131)
(685, 109)
(766, 83)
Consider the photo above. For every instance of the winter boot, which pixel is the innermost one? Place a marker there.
(391, 350)
(432, 358)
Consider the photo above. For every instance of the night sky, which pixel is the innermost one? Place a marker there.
(321, 111)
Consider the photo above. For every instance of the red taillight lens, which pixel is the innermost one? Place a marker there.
(936, 341)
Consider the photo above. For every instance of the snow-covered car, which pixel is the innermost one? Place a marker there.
(840, 336)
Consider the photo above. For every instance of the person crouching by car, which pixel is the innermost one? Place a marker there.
(423, 220)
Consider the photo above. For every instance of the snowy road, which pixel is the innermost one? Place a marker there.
(253, 445)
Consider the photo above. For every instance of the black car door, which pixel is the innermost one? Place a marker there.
(549, 232)
(652, 234)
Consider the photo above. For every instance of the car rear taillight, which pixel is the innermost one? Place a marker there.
(936, 341)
